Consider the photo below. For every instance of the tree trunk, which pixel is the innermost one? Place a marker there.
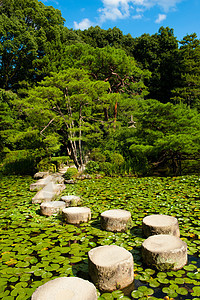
(80, 136)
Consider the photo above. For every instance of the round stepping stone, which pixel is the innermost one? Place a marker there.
(76, 215)
(165, 252)
(52, 207)
(115, 220)
(71, 200)
(66, 288)
(160, 224)
(111, 267)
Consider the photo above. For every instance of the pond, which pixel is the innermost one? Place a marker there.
(35, 249)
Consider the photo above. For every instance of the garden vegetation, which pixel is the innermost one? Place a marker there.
(72, 93)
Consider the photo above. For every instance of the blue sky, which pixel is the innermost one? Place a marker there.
(135, 17)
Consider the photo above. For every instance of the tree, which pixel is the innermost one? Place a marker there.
(109, 65)
(68, 106)
(167, 134)
(31, 37)
(188, 90)
(159, 54)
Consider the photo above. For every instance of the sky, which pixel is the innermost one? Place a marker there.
(131, 16)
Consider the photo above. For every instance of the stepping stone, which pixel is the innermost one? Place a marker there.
(41, 183)
(71, 200)
(115, 220)
(52, 207)
(40, 175)
(110, 267)
(164, 252)
(76, 215)
(66, 288)
(160, 224)
(57, 178)
(48, 193)
(63, 170)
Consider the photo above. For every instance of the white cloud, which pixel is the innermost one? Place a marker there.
(114, 9)
(121, 9)
(137, 17)
(84, 24)
(161, 17)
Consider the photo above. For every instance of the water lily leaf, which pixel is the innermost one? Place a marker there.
(137, 294)
(190, 267)
(154, 283)
(107, 296)
(196, 291)
(182, 291)
(117, 294)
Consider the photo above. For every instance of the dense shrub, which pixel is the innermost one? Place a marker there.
(46, 165)
(96, 155)
(71, 173)
(117, 159)
(60, 161)
(107, 168)
(20, 162)
(92, 167)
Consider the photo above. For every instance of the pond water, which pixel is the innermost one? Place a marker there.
(35, 249)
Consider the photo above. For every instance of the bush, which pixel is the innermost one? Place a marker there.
(96, 155)
(117, 159)
(60, 161)
(71, 173)
(21, 162)
(46, 165)
(92, 167)
(107, 168)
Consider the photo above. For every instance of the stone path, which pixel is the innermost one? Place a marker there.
(76, 215)
(66, 288)
(160, 224)
(52, 207)
(115, 220)
(164, 252)
(110, 267)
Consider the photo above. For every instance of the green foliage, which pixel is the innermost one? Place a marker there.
(117, 160)
(46, 165)
(31, 41)
(92, 167)
(84, 90)
(188, 89)
(60, 161)
(71, 173)
(19, 162)
(96, 155)
(107, 168)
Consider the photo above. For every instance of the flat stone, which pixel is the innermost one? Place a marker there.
(66, 288)
(41, 183)
(48, 193)
(164, 252)
(111, 267)
(76, 215)
(160, 224)
(115, 220)
(71, 200)
(52, 207)
(63, 170)
(57, 178)
(40, 175)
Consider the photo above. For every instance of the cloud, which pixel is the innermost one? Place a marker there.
(114, 9)
(161, 17)
(121, 9)
(84, 24)
(137, 17)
